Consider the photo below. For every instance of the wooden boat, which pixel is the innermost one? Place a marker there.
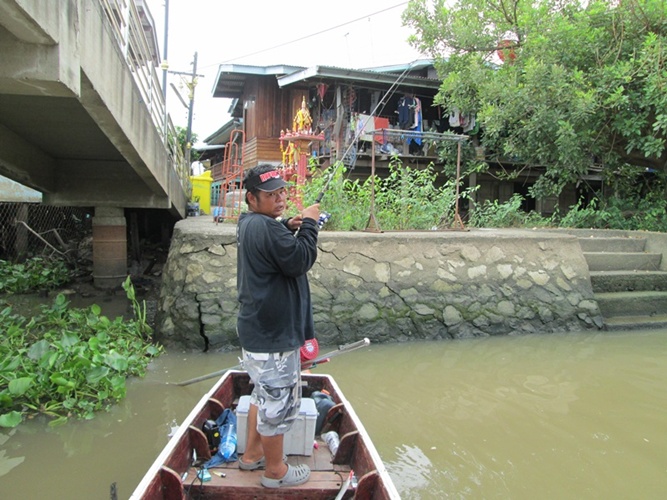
(174, 476)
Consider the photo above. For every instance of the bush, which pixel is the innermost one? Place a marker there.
(417, 199)
(407, 199)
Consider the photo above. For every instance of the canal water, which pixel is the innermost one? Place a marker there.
(577, 415)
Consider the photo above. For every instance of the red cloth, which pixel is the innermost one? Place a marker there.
(381, 123)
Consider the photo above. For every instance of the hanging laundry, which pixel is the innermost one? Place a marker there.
(405, 111)
(470, 125)
(454, 118)
(418, 121)
(381, 124)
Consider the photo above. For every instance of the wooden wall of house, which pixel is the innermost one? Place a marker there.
(266, 150)
(264, 123)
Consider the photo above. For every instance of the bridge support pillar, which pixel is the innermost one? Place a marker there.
(109, 247)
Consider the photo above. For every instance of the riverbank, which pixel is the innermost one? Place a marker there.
(391, 286)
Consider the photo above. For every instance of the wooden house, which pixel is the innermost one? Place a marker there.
(341, 103)
(348, 107)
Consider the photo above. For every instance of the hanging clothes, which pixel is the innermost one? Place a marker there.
(470, 125)
(454, 118)
(405, 110)
(417, 120)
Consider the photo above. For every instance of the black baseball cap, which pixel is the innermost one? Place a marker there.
(266, 181)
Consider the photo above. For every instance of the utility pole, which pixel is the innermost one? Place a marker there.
(191, 97)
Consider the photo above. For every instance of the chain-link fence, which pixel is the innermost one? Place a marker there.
(33, 229)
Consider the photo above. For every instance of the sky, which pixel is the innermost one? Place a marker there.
(343, 33)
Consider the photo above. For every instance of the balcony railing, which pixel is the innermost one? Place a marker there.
(128, 20)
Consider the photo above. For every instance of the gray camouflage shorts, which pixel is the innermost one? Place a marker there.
(277, 392)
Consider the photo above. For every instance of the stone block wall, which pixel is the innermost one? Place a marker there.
(394, 286)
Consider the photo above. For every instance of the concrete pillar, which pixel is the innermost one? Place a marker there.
(109, 247)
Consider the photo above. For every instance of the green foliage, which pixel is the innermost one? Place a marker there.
(36, 273)
(639, 214)
(69, 362)
(584, 86)
(407, 199)
(182, 137)
(495, 214)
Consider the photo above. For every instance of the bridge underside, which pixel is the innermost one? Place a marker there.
(74, 124)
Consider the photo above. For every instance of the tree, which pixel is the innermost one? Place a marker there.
(579, 86)
(183, 141)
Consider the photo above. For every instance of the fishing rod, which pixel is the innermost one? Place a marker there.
(357, 133)
(342, 349)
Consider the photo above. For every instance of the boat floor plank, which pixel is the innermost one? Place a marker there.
(325, 480)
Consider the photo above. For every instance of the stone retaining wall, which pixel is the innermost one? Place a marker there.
(393, 286)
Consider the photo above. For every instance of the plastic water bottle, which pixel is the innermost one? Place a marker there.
(228, 441)
(332, 440)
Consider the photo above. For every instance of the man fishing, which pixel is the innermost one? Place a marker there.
(275, 318)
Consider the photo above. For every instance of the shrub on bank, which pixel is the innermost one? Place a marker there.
(415, 199)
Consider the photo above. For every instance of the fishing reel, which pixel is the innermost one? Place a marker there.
(212, 433)
(324, 217)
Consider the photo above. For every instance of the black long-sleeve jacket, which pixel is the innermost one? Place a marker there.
(275, 313)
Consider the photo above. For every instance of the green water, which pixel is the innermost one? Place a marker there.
(578, 415)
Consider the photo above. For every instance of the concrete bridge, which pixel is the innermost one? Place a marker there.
(82, 116)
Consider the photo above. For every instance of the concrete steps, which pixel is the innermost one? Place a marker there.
(629, 285)
(628, 281)
(615, 244)
(632, 303)
(622, 261)
(625, 323)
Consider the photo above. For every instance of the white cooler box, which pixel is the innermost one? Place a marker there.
(300, 438)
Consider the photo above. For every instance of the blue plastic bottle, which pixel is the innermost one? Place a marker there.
(228, 441)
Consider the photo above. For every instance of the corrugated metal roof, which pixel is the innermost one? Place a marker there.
(221, 136)
(231, 78)
(399, 68)
(368, 77)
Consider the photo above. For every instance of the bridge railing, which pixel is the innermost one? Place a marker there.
(128, 21)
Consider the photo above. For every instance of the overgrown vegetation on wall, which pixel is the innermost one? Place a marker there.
(413, 199)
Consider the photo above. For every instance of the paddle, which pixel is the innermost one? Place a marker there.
(305, 366)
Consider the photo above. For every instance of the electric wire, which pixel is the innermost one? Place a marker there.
(383, 101)
(307, 36)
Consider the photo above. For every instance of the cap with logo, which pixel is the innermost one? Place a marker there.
(266, 181)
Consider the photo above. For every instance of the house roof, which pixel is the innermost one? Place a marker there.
(369, 78)
(221, 136)
(399, 68)
(231, 78)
